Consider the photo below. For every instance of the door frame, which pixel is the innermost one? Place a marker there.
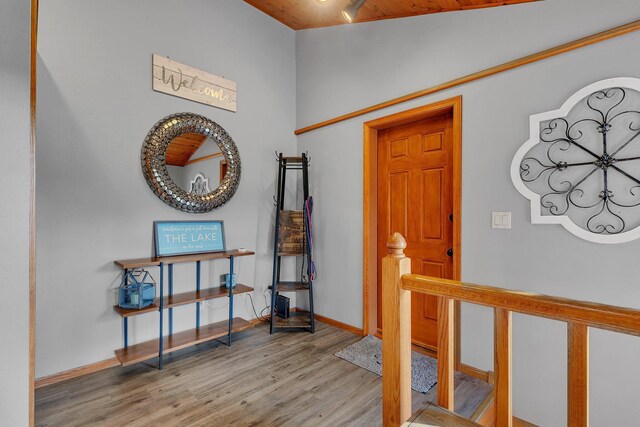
(370, 203)
(34, 6)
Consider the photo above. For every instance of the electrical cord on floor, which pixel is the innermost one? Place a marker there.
(259, 317)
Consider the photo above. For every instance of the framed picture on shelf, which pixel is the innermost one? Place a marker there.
(188, 237)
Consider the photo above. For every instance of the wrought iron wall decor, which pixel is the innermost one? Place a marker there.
(154, 167)
(581, 166)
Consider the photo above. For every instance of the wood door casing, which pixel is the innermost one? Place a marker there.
(223, 169)
(415, 198)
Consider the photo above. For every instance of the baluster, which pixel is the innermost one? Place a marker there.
(578, 375)
(446, 367)
(396, 340)
(502, 367)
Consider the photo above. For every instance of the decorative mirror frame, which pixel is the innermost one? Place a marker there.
(154, 167)
(535, 138)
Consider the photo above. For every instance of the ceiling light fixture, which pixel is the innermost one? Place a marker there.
(351, 11)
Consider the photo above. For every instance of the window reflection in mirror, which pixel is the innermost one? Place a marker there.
(195, 163)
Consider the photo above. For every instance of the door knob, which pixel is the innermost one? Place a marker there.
(450, 252)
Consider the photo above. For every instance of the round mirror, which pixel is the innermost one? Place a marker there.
(191, 163)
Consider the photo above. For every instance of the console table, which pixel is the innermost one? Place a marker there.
(131, 354)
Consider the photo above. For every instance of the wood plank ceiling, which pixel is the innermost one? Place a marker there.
(302, 14)
(181, 149)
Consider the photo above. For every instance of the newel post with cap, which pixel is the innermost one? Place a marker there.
(396, 339)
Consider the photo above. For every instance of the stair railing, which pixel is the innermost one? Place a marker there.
(397, 285)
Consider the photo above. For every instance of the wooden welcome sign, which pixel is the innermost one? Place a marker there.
(186, 82)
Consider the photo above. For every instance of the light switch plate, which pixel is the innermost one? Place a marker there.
(501, 220)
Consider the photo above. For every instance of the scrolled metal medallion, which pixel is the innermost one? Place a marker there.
(154, 167)
(581, 166)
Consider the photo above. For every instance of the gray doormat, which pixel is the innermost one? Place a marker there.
(367, 354)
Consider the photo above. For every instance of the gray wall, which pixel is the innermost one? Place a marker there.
(344, 68)
(97, 105)
(15, 178)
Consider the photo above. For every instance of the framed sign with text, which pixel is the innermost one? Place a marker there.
(188, 237)
(174, 78)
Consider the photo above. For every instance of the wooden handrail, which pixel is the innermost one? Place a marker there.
(538, 56)
(397, 286)
(601, 316)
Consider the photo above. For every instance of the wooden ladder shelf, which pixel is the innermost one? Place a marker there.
(292, 239)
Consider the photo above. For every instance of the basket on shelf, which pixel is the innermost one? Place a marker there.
(137, 290)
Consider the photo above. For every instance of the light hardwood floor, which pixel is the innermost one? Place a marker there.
(286, 379)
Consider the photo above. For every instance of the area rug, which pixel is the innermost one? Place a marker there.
(367, 354)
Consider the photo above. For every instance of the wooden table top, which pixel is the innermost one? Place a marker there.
(154, 261)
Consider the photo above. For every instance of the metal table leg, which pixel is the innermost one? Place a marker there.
(161, 339)
(198, 290)
(125, 320)
(170, 295)
(230, 297)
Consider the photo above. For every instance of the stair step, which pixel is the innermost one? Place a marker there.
(433, 415)
(295, 320)
(291, 286)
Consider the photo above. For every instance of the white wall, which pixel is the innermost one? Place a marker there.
(15, 179)
(341, 69)
(96, 106)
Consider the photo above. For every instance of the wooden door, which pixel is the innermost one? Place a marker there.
(415, 198)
